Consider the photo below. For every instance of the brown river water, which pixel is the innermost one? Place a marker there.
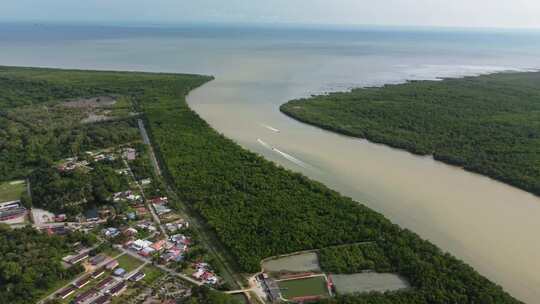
(490, 225)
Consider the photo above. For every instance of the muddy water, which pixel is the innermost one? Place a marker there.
(490, 225)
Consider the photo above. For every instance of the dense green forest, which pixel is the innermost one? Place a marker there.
(204, 295)
(488, 124)
(35, 126)
(258, 209)
(31, 263)
(71, 192)
(354, 258)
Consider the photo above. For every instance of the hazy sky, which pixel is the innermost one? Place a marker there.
(461, 13)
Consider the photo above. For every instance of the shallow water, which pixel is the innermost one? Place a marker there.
(490, 225)
(295, 263)
(366, 282)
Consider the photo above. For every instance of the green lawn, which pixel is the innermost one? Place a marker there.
(112, 252)
(152, 274)
(128, 262)
(304, 287)
(10, 191)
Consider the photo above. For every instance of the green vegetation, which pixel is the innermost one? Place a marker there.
(128, 262)
(152, 273)
(31, 264)
(257, 209)
(488, 124)
(354, 258)
(13, 190)
(204, 295)
(30, 135)
(315, 286)
(72, 192)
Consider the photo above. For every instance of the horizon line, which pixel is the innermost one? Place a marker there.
(270, 25)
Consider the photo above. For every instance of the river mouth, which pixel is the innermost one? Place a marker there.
(486, 223)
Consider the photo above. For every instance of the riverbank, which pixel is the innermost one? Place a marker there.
(258, 210)
(486, 124)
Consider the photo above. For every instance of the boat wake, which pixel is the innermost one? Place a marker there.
(270, 128)
(283, 154)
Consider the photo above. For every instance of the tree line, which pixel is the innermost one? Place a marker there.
(258, 209)
(488, 124)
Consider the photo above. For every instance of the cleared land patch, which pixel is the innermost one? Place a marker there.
(10, 191)
(310, 287)
(128, 262)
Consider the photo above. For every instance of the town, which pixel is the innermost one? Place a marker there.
(142, 241)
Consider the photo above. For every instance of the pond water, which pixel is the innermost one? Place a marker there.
(366, 282)
(294, 263)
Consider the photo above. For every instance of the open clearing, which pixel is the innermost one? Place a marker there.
(93, 102)
(366, 282)
(294, 263)
(128, 262)
(315, 286)
(10, 191)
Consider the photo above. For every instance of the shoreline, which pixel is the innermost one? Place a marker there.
(402, 148)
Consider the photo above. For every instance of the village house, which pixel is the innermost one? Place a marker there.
(137, 277)
(66, 292)
(105, 299)
(112, 265)
(110, 232)
(105, 282)
(78, 258)
(118, 289)
(83, 281)
(83, 297)
(119, 272)
(100, 258)
(129, 154)
(99, 272)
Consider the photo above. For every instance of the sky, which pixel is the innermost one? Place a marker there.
(446, 13)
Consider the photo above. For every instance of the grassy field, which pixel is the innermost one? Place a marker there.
(10, 191)
(128, 262)
(112, 252)
(305, 287)
(152, 274)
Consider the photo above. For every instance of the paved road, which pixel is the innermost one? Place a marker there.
(170, 271)
(192, 220)
(146, 140)
(151, 208)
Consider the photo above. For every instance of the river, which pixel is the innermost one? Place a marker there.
(488, 224)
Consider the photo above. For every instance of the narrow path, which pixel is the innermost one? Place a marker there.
(161, 267)
(301, 278)
(147, 142)
(239, 291)
(148, 206)
(192, 219)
